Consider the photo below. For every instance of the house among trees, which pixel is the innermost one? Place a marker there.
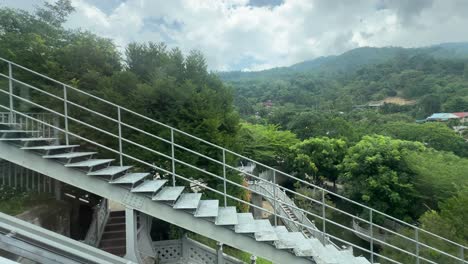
(442, 117)
(463, 116)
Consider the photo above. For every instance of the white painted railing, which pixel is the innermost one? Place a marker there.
(186, 249)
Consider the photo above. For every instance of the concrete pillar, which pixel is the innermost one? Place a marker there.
(131, 234)
(219, 253)
(257, 201)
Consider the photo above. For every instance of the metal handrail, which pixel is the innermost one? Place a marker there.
(173, 144)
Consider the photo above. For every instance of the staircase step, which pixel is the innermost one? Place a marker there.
(110, 171)
(207, 208)
(361, 260)
(69, 155)
(265, 231)
(188, 201)
(117, 213)
(289, 240)
(115, 227)
(27, 139)
(112, 243)
(118, 251)
(50, 147)
(281, 229)
(116, 220)
(169, 193)
(309, 248)
(149, 186)
(89, 163)
(246, 223)
(113, 234)
(227, 216)
(130, 178)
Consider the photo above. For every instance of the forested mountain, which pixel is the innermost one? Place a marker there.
(429, 79)
(354, 59)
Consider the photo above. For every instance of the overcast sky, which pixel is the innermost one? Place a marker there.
(260, 34)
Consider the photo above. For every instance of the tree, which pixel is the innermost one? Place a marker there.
(456, 104)
(266, 144)
(324, 153)
(55, 14)
(374, 173)
(450, 222)
(435, 135)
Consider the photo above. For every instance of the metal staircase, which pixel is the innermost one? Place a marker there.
(63, 159)
(299, 248)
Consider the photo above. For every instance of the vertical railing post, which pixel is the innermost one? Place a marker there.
(224, 178)
(275, 197)
(324, 223)
(65, 113)
(173, 158)
(10, 90)
(371, 235)
(462, 254)
(119, 119)
(416, 237)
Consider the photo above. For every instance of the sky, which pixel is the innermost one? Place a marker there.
(260, 34)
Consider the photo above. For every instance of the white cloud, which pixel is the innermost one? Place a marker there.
(235, 35)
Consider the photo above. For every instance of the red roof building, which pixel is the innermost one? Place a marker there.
(463, 116)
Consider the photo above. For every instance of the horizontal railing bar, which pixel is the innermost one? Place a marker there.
(92, 111)
(146, 148)
(34, 88)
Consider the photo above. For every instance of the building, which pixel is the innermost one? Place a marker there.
(441, 117)
(463, 116)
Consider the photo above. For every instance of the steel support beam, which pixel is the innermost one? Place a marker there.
(31, 252)
(36, 243)
(131, 234)
(146, 205)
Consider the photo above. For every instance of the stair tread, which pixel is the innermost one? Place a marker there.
(207, 208)
(188, 201)
(227, 216)
(130, 178)
(69, 155)
(89, 163)
(27, 139)
(109, 171)
(265, 232)
(169, 193)
(289, 240)
(50, 147)
(149, 186)
(281, 229)
(310, 248)
(246, 223)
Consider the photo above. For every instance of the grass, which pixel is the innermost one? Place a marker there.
(14, 201)
(233, 252)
